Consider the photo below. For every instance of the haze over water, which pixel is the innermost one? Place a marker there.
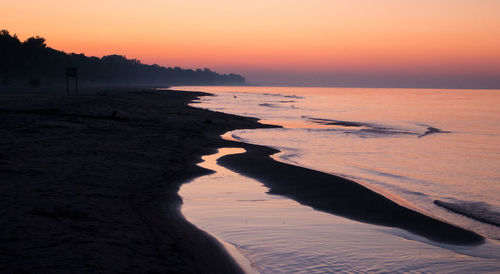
(413, 145)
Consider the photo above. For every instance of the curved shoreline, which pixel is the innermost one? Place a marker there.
(90, 182)
(339, 196)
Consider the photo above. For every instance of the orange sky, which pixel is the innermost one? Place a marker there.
(275, 37)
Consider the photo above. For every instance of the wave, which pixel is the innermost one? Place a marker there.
(360, 128)
(268, 105)
(476, 210)
(281, 95)
(368, 129)
(432, 130)
(331, 122)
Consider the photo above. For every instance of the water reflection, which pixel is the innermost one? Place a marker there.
(279, 235)
(371, 136)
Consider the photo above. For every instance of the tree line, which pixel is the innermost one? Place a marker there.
(33, 62)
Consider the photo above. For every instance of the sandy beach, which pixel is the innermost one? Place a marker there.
(89, 183)
(340, 196)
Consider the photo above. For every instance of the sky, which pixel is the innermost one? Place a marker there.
(399, 43)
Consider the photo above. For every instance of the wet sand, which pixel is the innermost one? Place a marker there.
(339, 196)
(89, 183)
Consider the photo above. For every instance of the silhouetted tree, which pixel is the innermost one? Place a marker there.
(33, 62)
(35, 42)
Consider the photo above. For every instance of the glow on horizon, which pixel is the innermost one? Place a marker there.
(262, 39)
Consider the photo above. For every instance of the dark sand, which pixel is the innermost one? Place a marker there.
(339, 196)
(86, 190)
(83, 190)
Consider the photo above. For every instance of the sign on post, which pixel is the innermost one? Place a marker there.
(71, 72)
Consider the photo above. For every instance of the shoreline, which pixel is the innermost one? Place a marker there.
(339, 196)
(90, 182)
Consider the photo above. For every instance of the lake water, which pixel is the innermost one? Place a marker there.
(413, 146)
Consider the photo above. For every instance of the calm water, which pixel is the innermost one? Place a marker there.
(414, 146)
(278, 235)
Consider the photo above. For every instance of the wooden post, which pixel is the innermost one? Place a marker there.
(71, 72)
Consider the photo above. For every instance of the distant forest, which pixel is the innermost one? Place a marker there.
(33, 63)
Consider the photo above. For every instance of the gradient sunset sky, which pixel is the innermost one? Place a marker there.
(424, 43)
